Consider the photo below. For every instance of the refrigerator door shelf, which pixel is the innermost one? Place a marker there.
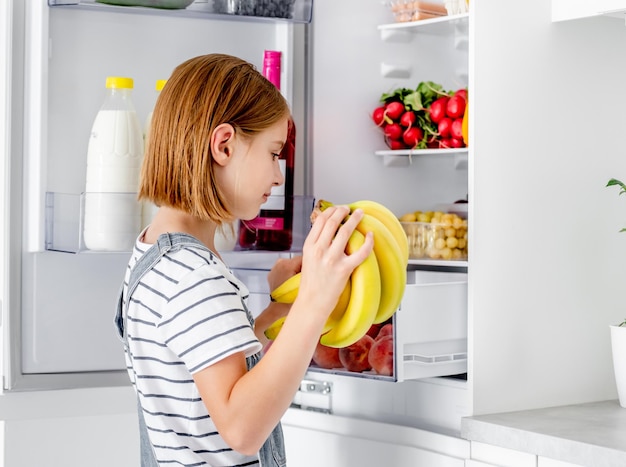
(65, 219)
(65, 222)
(300, 11)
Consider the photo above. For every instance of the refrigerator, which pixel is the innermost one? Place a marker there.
(470, 334)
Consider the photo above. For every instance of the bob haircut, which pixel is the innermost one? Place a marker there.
(202, 93)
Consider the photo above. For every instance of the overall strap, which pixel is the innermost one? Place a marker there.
(165, 243)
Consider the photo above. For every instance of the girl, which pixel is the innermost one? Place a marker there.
(192, 347)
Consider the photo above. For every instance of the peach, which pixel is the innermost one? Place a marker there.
(373, 330)
(354, 357)
(380, 356)
(326, 357)
(386, 330)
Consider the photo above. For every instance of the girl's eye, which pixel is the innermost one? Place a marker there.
(275, 156)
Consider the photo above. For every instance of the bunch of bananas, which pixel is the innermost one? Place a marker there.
(373, 293)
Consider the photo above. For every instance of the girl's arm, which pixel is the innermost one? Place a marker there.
(282, 270)
(246, 406)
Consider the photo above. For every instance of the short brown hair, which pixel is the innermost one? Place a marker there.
(202, 93)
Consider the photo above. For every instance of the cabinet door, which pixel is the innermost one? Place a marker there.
(312, 448)
(314, 439)
(545, 462)
(499, 456)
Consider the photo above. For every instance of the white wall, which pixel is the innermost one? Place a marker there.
(546, 275)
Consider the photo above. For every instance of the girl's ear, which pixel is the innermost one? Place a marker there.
(223, 143)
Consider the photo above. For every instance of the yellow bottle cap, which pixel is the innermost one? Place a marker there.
(160, 83)
(117, 82)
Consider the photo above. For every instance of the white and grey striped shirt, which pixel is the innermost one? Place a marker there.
(187, 313)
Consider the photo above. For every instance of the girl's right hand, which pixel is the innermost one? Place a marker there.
(325, 265)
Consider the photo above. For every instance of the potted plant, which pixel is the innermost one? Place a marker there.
(618, 334)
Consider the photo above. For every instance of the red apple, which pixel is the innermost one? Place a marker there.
(326, 357)
(354, 357)
(380, 356)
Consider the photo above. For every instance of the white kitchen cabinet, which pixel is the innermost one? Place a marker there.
(546, 462)
(486, 455)
(474, 463)
(501, 457)
(314, 439)
(573, 9)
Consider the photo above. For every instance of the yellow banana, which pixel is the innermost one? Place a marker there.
(342, 303)
(287, 291)
(364, 300)
(391, 265)
(273, 329)
(340, 308)
(383, 214)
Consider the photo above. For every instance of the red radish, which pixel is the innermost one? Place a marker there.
(408, 119)
(394, 109)
(457, 143)
(444, 127)
(456, 129)
(413, 136)
(432, 143)
(438, 109)
(379, 116)
(445, 143)
(395, 144)
(393, 131)
(462, 93)
(456, 107)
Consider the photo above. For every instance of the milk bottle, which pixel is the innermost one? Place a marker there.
(148, 209)
(112, 216)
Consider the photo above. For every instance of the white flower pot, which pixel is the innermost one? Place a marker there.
(618, 346)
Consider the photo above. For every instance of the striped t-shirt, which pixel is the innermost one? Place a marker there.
(187, 313)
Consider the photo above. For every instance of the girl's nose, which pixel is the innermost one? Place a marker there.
(279, 176)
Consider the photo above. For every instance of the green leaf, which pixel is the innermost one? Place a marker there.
(615, 182)
(414, 100)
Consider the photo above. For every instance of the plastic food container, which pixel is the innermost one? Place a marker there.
(457, 7)
(445, 239)
(410, 10)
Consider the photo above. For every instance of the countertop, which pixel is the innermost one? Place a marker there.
(591, 434)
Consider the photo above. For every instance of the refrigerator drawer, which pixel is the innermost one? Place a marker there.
(431, 326)
(429, 329)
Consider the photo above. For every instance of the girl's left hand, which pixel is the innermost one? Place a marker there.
(282, 270)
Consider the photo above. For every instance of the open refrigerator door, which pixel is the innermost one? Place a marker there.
(61, 294)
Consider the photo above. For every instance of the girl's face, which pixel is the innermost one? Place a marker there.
(247, 169)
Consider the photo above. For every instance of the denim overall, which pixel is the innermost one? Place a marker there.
(272, 453)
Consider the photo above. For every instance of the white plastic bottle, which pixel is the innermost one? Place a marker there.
(148, 209)
(112, 217)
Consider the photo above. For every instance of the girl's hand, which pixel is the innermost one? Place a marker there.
(325, 266)
(282, 270)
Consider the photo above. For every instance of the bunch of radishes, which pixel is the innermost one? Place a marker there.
(399, 126)
(447, 113)
(427, 117)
